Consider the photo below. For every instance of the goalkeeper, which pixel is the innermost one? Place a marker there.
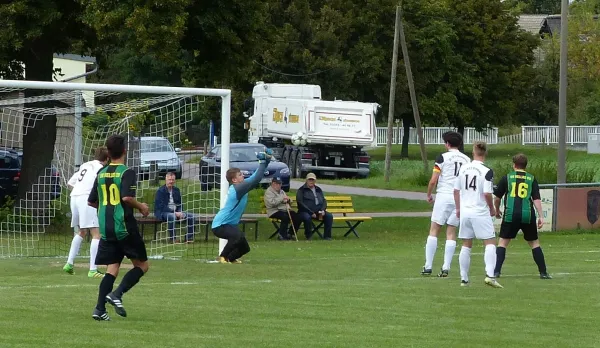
(225, 224)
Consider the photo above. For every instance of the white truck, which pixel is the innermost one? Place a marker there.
(335, 132)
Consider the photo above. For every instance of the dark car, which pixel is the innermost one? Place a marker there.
(11, 161)
(242, 156)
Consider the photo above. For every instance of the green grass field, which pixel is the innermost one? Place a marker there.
(363, 292)
(407, 174)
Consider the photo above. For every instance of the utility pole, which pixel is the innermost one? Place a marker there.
(413, 95)
(390, 125)
(561, 173)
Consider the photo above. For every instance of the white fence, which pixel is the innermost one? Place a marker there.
(530, 135)
(433, 135)
(576, 135)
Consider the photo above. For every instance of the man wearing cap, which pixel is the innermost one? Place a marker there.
(312, 205)
(276, 202)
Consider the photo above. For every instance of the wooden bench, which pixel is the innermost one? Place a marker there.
(206, 221)
(338, 206)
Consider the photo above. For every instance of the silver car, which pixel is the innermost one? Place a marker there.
(159, 150)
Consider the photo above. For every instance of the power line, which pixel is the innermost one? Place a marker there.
(294, 75)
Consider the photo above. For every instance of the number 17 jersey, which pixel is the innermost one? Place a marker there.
(448, 165)
(115, 218)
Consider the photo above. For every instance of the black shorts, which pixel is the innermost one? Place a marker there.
(509, 230)
(111, 252)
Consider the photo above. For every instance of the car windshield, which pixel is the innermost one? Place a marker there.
(244, 154)
(159, 145)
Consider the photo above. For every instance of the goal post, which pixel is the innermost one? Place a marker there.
(165, 111)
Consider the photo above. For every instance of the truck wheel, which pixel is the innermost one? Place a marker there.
(298, 166)
(292, 164)
(285, 157)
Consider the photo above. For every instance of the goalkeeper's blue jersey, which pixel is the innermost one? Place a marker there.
(237, 199)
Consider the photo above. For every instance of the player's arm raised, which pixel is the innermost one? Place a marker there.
(435, 176)
(488, 190)
(499, 192)
(129, 187)
(537, 202)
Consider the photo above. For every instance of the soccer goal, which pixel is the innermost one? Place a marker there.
(35, 213)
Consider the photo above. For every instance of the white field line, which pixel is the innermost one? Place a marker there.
(353, 281)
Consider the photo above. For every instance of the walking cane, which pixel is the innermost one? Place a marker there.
(287, 205)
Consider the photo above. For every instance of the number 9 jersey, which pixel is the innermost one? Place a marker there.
(83, 180)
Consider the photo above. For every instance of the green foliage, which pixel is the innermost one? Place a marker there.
(547, 7)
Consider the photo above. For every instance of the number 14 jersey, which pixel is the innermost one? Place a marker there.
(448, 165)
(115, 218)
(474, 181)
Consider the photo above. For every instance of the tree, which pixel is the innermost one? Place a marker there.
(495, 58)
(30, 33)
(535, 6)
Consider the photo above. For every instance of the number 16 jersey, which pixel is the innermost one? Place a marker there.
(115, 218)
(448, 165)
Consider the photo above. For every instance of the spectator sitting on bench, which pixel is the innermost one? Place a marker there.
(276, 202)
(312, 205)
(168, 207)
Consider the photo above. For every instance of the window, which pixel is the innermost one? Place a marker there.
(156, 145)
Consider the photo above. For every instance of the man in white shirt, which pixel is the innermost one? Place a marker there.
(473, 190)
(82, 215)
(445, 171)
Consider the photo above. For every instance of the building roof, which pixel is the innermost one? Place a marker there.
(551, 24)
(76, 57)
(532, 22)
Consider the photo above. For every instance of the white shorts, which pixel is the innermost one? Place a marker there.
(444, 210)
(476, 227)
(82, 214)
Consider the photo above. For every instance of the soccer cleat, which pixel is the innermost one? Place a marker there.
(68, 268)
(545, 276)
(464, 283)
(443, 273)
(100, 315)
(236, 261)
(95, 274)
(492, 282)
(223, 260)
(117, 304)
(426, 271)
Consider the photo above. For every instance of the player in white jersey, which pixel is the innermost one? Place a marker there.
(473, 190)
(445, 170)
(82, 215)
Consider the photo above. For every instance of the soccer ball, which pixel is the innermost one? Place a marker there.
(299, 139)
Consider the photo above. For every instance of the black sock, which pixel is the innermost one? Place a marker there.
(538, 257)
(129, 280)
(500, 255)
(106, 286)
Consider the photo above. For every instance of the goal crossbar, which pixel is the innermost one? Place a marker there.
(225, 95)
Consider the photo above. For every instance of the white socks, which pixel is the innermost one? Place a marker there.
(464, 259)
(430, 248)
(489, 257)
(75, 245)
(448, 254)
(93, 252)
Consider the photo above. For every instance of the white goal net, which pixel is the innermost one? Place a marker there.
(35, 217)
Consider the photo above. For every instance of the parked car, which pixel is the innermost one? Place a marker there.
(159, 149)
(11, 161)
(242, 156)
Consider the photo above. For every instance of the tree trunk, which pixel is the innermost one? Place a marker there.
(461, 129)
(39, 131)
(406, 121)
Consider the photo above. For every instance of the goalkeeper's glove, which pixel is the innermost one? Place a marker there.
(265, 157)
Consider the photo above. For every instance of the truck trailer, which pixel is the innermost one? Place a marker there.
(332, 133)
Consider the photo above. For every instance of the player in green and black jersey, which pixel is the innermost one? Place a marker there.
(113, 195)
(521, 194)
